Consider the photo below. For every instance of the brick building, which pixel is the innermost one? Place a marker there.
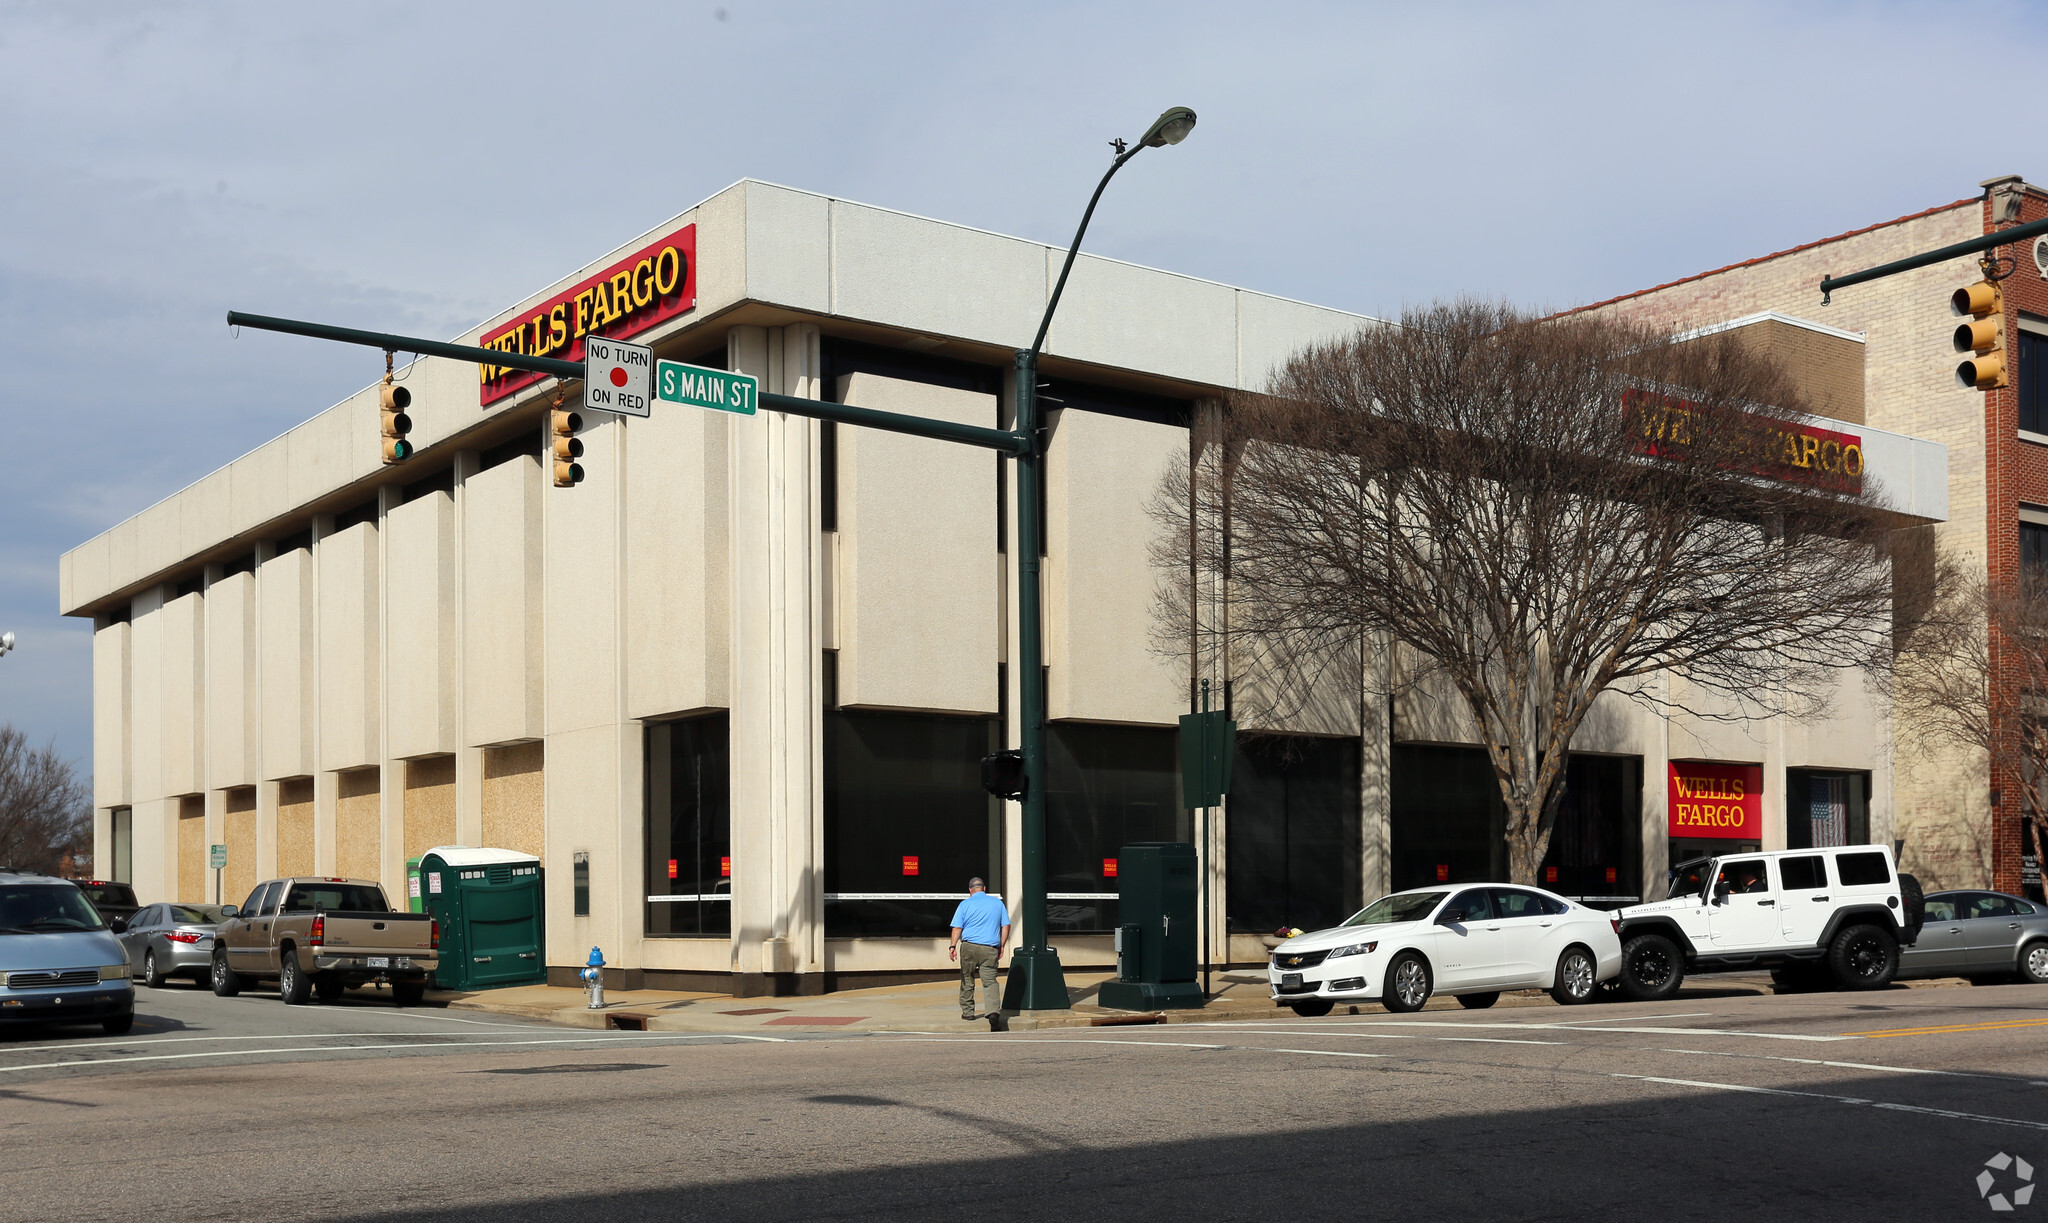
(1958, 819)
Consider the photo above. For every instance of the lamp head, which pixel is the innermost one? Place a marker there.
(1171, 127)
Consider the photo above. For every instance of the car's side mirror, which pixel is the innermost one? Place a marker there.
(227, 911)
(1721, 893)
(119, 925)
(1451, 917)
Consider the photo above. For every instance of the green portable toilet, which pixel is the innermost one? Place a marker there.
(493, 928)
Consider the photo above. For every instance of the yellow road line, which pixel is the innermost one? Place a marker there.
(1994, 1026)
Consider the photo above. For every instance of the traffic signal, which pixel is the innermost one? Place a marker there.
(567, 446)
(394, 400)
(1003, 774)
(1983, 336)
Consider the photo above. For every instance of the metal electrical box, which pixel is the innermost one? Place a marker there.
(493, 929)
(1156, 929)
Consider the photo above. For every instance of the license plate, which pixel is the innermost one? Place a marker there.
(380, 961)
(1290, 980)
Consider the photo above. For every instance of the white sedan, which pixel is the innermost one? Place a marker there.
(1470, 942)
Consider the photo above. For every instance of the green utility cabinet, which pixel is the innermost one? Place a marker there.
(493, 924)
(1155, 936)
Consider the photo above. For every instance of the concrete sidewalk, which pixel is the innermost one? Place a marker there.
(928, 1007)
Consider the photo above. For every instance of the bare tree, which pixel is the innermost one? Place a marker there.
(45, 809)
(1541, 511)
(1972, 670)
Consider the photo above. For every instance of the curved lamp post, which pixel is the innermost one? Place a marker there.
(1036, 982)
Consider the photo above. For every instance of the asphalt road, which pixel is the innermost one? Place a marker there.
(1821, 1106)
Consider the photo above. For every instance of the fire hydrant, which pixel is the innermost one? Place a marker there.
(593, 976)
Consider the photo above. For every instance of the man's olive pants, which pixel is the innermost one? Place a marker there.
(978, 957)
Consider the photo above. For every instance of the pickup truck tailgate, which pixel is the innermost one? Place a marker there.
(379, 936)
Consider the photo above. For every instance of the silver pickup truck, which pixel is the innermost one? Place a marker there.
(321, 936)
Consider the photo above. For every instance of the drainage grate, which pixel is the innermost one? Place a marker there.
(626, 1023)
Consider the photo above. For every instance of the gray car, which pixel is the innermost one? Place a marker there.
(170, 940)
(58, 962)
(1985, 936)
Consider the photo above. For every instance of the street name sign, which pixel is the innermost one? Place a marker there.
(717, 389)
(216, 856)
(616, 376)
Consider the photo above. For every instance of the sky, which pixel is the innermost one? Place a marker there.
(418, 167)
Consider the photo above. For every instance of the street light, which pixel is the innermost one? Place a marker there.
(6, 642)
(1036, 982)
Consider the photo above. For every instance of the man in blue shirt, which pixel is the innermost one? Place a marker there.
(981, 925)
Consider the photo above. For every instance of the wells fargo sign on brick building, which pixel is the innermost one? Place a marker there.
(649, 286)
(1784, 450)
(1721, 801)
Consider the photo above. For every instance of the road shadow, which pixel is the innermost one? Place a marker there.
(1668, 1150)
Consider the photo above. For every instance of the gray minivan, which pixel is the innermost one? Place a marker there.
(58, 961)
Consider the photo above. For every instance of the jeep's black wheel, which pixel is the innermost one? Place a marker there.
(1313, 1009)
(1478, 1002)
(1577, 977)
(1651, 968)
(2034, 962)
(408, 993)
(1913, 905)
(328, 987)
(292, 983)
(1863, 957)
(226, 981)
(1407, 985)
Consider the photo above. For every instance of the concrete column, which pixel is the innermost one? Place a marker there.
(266, 791)
(777, 702)
(325, 784)
(390, 771)
(1656, 816)
(469, 761)
(1375, 766)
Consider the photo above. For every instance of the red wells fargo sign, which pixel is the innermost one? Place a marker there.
(1710, 799)
(1784, 450)
(649, 286)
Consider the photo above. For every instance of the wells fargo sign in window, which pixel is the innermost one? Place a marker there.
(649, 286)
(1716, 800)
(1786, 450)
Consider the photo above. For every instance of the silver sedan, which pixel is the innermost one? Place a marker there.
(170, 940)
(1985, 936)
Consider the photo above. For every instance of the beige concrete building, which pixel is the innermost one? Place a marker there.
(739, 679)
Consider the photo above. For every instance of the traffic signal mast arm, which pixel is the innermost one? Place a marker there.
(1007, 441)
(2018, 233)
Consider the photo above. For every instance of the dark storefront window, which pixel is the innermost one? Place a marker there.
(2033, 381)
(906, 820)
(689, 827)
(1293, 840)
(1446, 823)
(2034, 548)
(1106, 787)
(1596, 847)
(1826, 807)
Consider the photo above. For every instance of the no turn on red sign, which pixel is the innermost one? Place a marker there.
(617, 377)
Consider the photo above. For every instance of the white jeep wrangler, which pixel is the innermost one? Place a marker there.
(1839, 913)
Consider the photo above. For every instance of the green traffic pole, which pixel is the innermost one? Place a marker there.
(1203, 879)
(1037, 982)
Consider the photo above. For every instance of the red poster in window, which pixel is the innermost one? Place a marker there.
(725, 868)
(671, 868)
(1443, 872)
(909, 864)
(1611, 874)
(1550, 874)
(1714, 800)
(1109, 868)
